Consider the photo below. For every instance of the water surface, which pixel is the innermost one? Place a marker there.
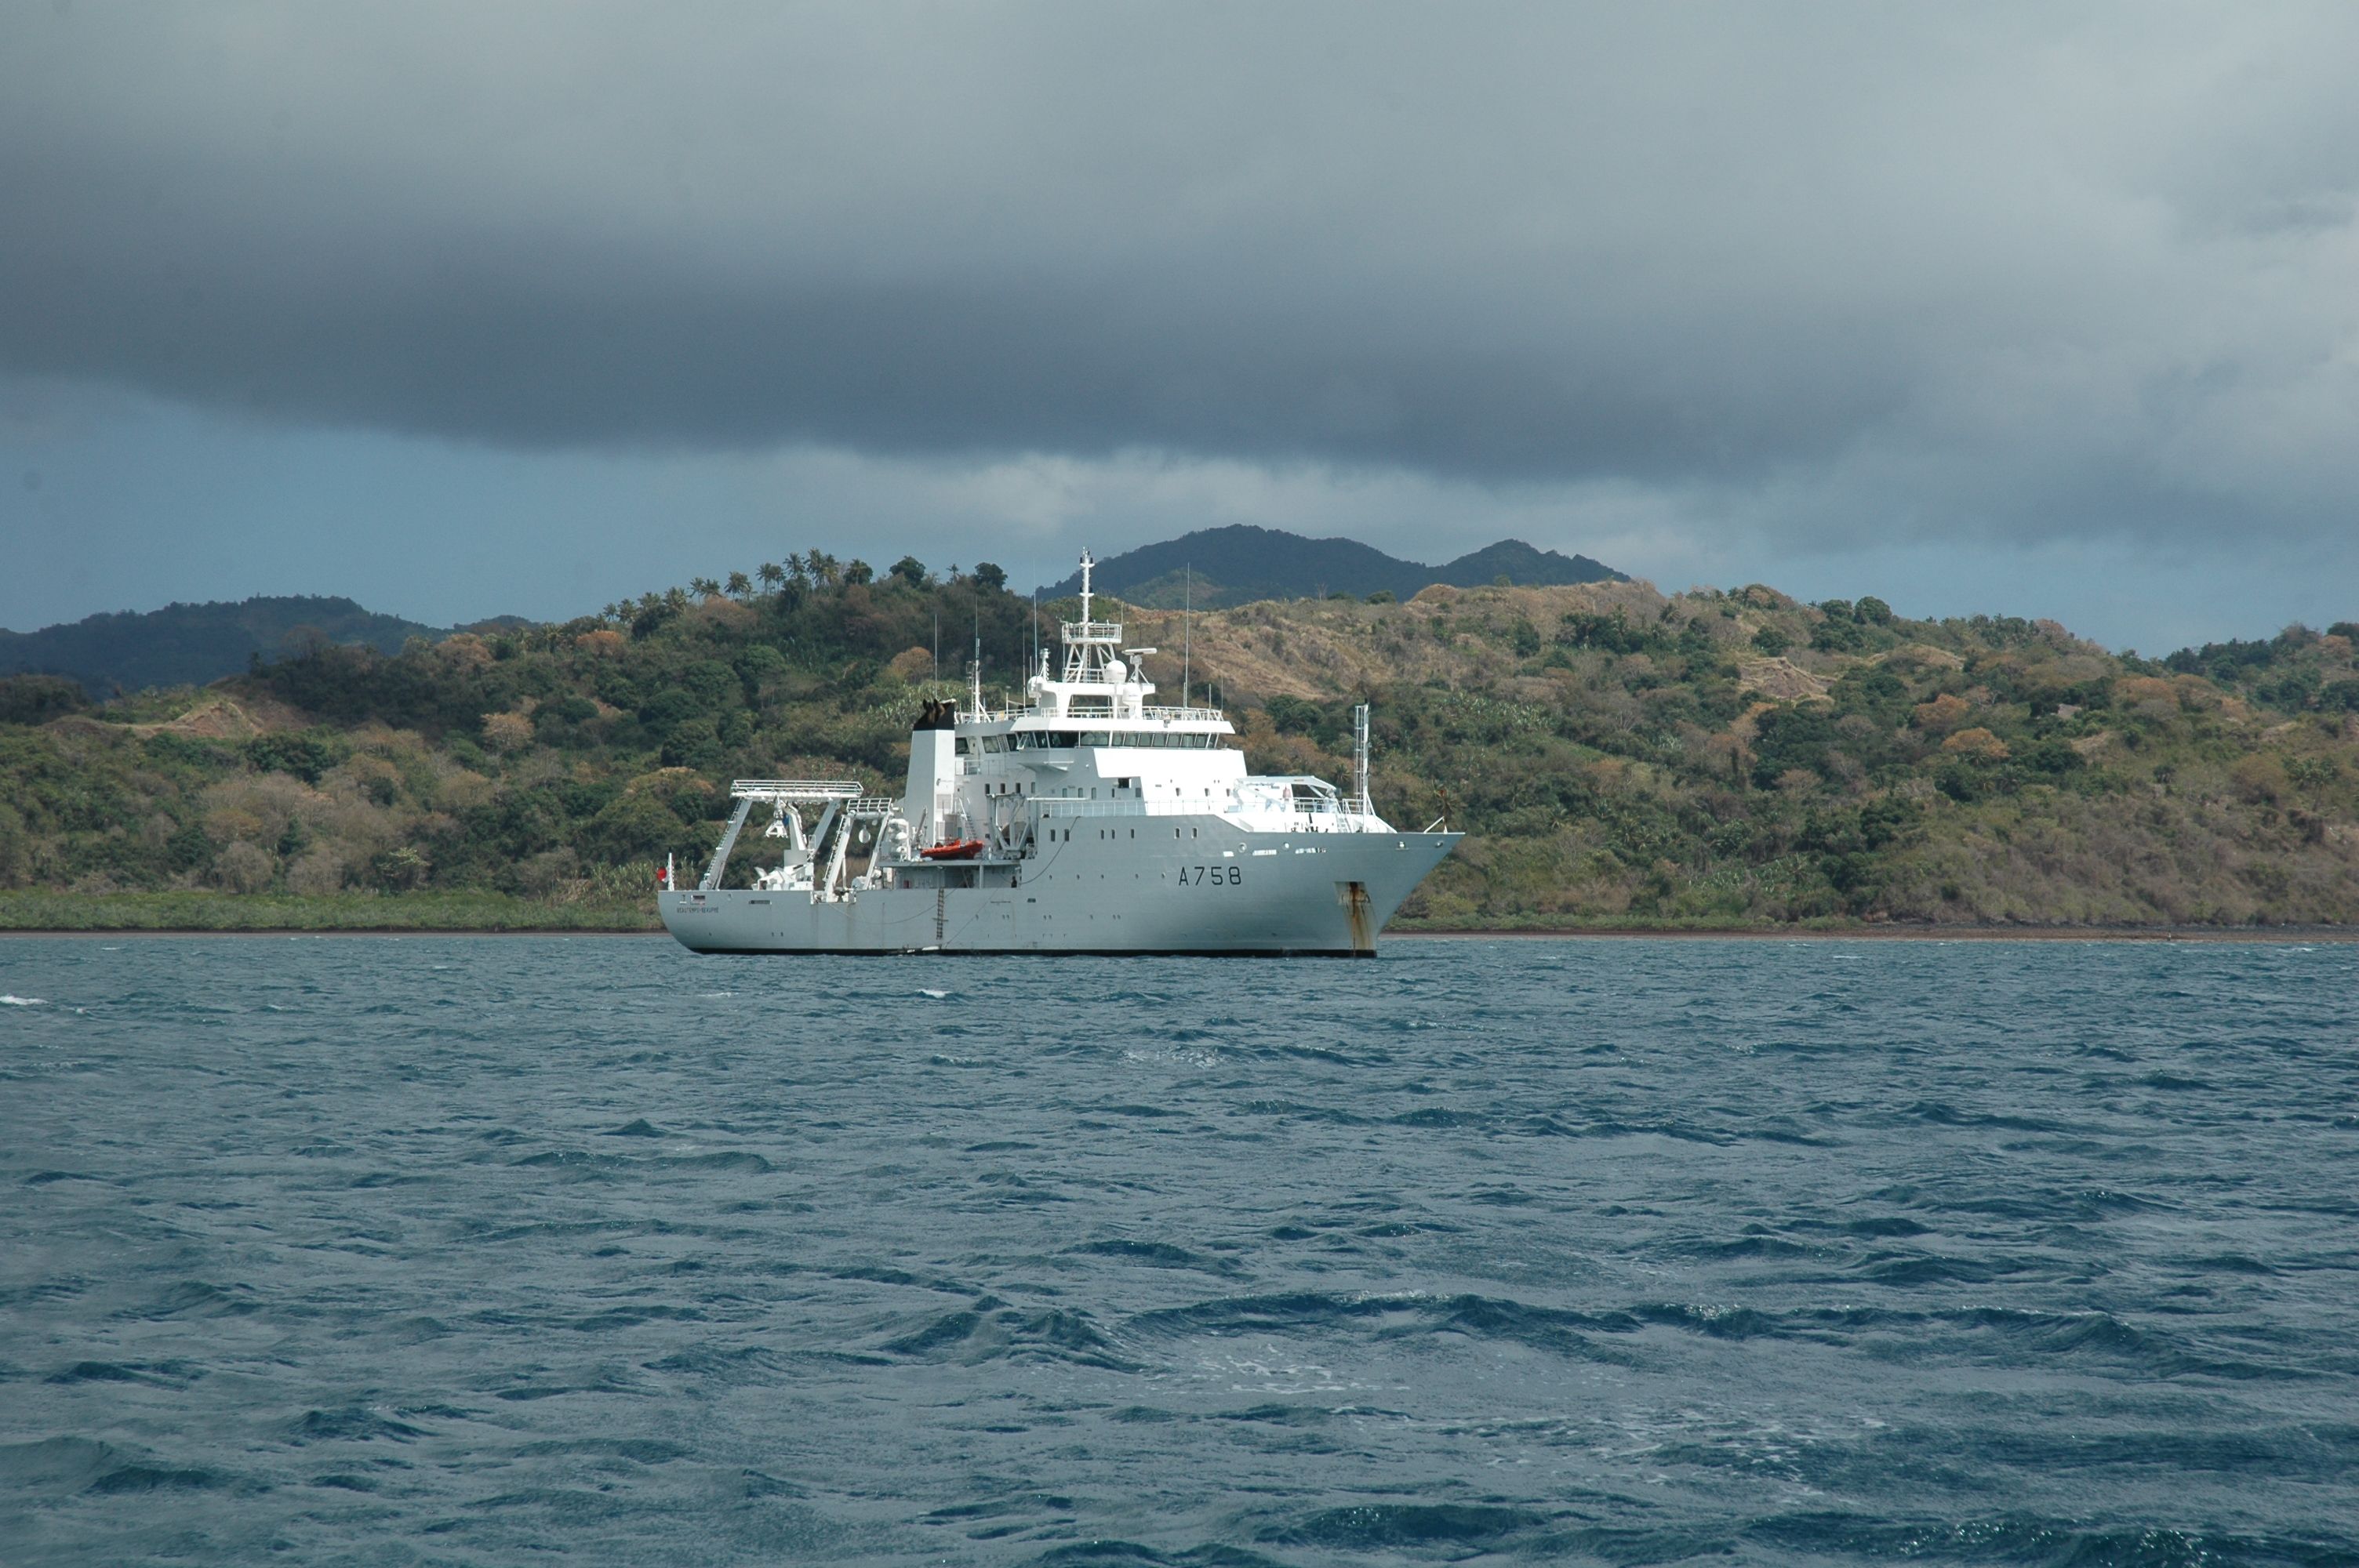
(475, 1250)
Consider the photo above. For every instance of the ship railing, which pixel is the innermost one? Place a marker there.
(1092, 630)
(795, 789)
(1298, 817)
(1043, 711)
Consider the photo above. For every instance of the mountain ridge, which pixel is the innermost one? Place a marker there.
(194, 644)
(1240, 563)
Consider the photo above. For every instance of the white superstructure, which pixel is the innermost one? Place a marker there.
(1085, 820)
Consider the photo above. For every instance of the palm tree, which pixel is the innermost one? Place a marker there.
(703, 587)
(773, 575)
(741, 587)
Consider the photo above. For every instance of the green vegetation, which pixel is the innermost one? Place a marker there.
(1620, 757)
(199, 909)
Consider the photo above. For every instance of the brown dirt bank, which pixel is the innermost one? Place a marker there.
(2276, 934)
(1909, 933)
(118, 933)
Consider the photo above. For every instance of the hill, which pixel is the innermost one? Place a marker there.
(1619, 756)
(1241, 563)
(190, 645)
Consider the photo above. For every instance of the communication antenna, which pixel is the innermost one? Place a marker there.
(1187, 628)
(974, 671)
(938, 647)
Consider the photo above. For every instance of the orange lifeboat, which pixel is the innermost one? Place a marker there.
(963, 849)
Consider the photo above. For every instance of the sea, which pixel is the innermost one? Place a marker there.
(498, 1250)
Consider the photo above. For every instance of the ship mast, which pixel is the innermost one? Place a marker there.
(1090, 643)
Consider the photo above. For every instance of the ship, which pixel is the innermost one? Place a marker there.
(1083, 818)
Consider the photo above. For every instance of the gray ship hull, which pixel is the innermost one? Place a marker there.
(1111, 887)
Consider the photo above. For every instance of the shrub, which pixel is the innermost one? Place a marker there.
(2260, 777)
(319, 872)
(1976, 742)
(399, 868)
(1942, 715)
(2052, 756)
(1609, 633)
(508, 731)
(1835, 636)
(305, 754)
(1791, 740)
(692, 744)
(2149, 696)
(1960, 782)
(244, 868)
(1293, 714)
(635, 827)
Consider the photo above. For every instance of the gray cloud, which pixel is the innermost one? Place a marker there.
(1829, 272)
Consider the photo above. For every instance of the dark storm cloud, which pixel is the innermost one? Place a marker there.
(2102, 261)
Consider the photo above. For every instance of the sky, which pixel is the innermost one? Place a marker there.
(461, 310)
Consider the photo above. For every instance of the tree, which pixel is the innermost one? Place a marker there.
(910, 569)
(703, 587)
(773, 576)
(741, 587)
(36, 699)
(508, 731)
(992, 576)
(859, 571)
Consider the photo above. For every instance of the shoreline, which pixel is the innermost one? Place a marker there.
(2276, 934)
(2269, 933)
(118, 932)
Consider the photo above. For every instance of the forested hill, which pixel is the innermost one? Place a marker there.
(1216, 568)
(189, 644)
(1618, 756)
